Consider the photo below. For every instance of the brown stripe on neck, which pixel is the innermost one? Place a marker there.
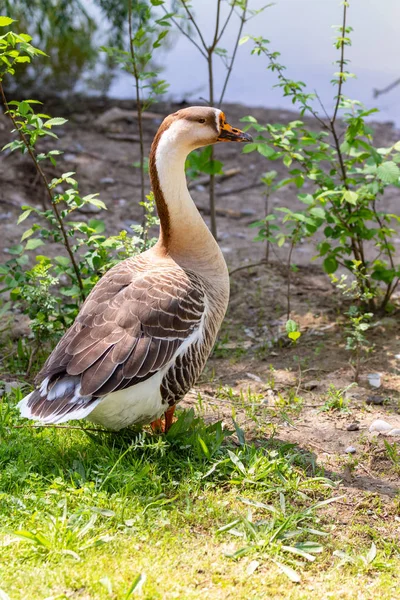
(162, 208)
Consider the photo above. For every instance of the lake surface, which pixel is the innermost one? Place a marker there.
(302, 31)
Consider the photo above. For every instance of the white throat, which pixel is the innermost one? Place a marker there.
(189, 235)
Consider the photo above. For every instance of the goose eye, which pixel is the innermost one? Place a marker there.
(202, 120)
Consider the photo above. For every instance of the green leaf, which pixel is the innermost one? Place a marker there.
(330, 264)
(266, 150)
(55, 121)
(371, 554)
(288, 571)
(62, 260)
(291, 326)
(33, 244)
(249, 148)
(136, 585)
(318, 212)
(388, 172)
(294, 335)
(237, 462)
(244, 39)
(350, 197)
(5, 21)
(24, 215)
(27, 234)
(97, 225)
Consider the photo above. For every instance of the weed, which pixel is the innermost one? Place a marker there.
(336, 399)
(393, 454)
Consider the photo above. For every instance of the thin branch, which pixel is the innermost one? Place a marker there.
(187, 35)
(321, 104)
(138, 108)
(283, 78)
(49, 193)
(226, 22)
(386, 89)
(239, 35)
(289, 278)
(341, 65)
(249, 266)
(216, 38)
(191, 18)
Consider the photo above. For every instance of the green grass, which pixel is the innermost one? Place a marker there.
(198, 513)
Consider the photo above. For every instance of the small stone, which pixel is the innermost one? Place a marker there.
(248, 212)
(377, 400)
(394, 432)
(107, 180)
(200, 187)
(89, 208)
(253, 566)
(11, 385)
(353, 427)
(254, 377)
(397, 356)
(350, 450)
(374, 380)
(69, 157)
(380, 426)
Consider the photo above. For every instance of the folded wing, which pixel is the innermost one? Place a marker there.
(130, 327)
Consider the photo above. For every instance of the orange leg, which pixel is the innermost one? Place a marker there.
(157, 425)
(169, 415)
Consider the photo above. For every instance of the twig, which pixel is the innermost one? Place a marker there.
(49, 192)
(138, 108)
(249, 266)
(189, 37)
(341, 65)
(239, 35)
(386, 89)
(289, 278)
(206, 180)
(366, 470)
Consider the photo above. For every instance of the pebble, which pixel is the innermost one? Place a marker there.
(69, 157)
(377, 400)
(107, 180)
(350, 450)
(248, 212)
(380, 426)
(89, 208)
(374, 380)
(394, 432)
(397, 356)
(254, 377)
(353, 427)
(11, 385)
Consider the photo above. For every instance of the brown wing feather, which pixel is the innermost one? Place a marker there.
(129, 328)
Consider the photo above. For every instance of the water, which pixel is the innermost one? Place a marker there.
(301, 30)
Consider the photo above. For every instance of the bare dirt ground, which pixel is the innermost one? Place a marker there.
(274, 387)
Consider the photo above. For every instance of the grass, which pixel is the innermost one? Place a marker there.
(198, 513)
(336, 400)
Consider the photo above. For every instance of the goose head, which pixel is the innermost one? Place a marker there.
(198, 126)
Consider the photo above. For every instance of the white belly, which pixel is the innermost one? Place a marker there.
(139, 404)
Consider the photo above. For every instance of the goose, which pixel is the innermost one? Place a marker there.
(144, 333)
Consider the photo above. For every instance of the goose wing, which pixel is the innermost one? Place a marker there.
(130, 327)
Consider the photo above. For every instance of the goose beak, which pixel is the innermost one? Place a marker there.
(231, 134)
